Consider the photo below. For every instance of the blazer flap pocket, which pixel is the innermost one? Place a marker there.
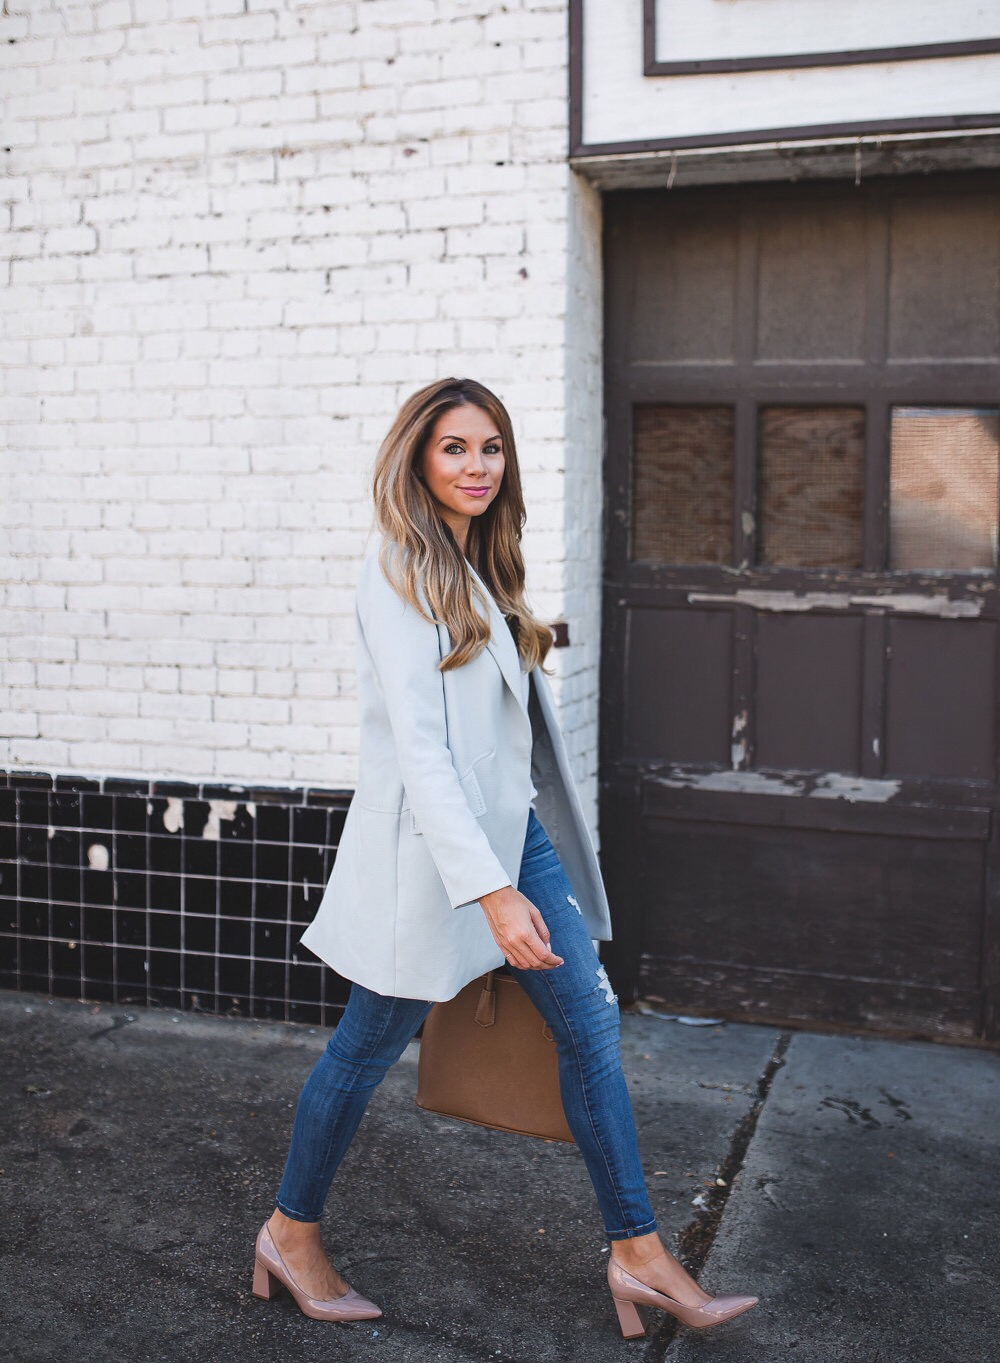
(473, 793)
(471, 788)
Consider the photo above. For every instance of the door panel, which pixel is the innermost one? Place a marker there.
(850, 900)
(682, 299)
(678, 699)
(808, 693)
(812, 264)
(944, 303)
(941, 698)
(875, 903)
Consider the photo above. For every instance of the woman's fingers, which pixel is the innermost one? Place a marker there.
(549, 958)
(529, 953)
(519, 930)
(539, 923)
(534, 952)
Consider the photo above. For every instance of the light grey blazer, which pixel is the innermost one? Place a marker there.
(440, 811)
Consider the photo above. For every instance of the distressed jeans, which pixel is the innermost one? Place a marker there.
(575, 999)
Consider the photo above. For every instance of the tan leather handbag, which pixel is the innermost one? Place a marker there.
(486, 1056)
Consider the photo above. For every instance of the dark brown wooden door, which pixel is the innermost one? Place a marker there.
(799, 734)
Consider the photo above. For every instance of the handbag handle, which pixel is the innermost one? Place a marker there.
(486, 1008)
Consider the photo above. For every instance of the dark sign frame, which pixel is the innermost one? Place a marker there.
(871, 127)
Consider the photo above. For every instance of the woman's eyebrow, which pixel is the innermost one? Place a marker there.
(489, 439)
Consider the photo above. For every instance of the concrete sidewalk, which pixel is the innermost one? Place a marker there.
(142, 1149)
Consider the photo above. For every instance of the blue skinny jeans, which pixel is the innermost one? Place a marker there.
(575, 999)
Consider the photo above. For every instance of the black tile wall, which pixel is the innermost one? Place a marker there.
(167, 893)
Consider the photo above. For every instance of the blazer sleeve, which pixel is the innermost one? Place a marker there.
(405, 653)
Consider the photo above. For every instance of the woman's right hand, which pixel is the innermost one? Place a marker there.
(519, 929)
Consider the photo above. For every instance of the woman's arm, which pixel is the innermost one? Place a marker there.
(404, 650)
(405, 653)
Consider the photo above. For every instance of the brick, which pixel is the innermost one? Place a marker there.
(28, 52)
(38, 753)
(322, 77)
(278, 112)
(44, 104)
(113, 14)
(485, 240)
(283, 53)
(444, 213)
(104, 44)
(70, 240)
(517, 26)
(239, 86)
(238, 28)
(185, 118)
(21, 245)
(395, 13)
(51, 271)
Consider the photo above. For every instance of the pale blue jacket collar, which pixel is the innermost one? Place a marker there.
(501, 643)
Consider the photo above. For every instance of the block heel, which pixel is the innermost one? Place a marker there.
(265, 1284)
(632, 1318)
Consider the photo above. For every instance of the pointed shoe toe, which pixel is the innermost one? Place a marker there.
(351, 1306)
(270, 1274)
(725, 1308)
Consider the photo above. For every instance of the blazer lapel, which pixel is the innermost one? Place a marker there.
(501, 642)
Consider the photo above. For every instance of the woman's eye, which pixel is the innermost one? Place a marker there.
(460, 449)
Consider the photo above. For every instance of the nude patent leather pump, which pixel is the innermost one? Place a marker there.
(632, 1298)
(270, 1275)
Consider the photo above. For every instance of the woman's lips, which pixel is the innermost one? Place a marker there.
(474, 491)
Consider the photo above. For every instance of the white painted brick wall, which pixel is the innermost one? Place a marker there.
(237, 234)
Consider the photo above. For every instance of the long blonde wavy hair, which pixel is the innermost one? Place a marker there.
(419, 554)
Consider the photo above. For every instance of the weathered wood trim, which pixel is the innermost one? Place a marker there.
(817, 1002)
(963, 596)
(663, 799)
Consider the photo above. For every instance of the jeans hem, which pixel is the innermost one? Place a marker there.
(647, 1229)
(293, 1216)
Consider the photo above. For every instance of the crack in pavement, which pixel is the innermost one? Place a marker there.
(698, 1236)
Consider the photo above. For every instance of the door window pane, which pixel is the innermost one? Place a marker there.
(944, 489)
(682, 484)
(811, 486)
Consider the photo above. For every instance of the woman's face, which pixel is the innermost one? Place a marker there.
(462, 466)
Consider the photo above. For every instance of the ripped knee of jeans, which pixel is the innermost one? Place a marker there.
(604, 983)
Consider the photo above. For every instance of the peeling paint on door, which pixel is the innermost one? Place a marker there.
(830, 785)
(942, 607)
(738, 746)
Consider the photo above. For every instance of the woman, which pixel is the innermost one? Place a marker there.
(445, 869)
